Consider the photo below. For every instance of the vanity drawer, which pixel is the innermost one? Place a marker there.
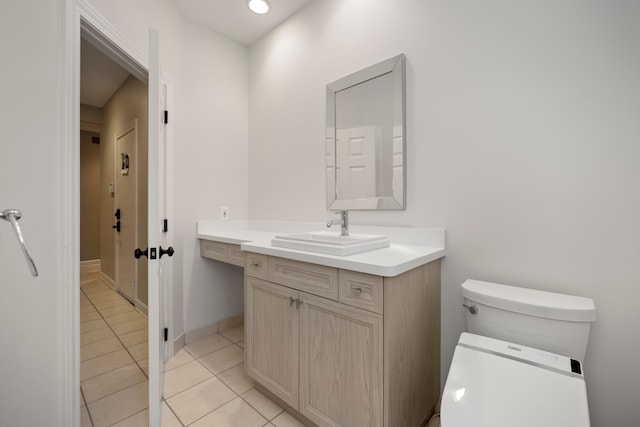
(236, 255)
(361, 290)
(256, 265)
(312, 278)
(214, 250)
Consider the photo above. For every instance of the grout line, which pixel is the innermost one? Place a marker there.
(86, 406)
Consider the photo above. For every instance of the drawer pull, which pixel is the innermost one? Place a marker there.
(255, 264)
(298, 301)
(358, 290)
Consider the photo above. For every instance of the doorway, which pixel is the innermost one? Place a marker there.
(113, 302)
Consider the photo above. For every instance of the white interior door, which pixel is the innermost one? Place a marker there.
(159, 238)
(126, 202)
(356, 162)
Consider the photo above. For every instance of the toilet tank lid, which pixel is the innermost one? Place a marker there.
(532, 302)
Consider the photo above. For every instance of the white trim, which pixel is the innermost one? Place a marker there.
(178, 343)
(69, 211)
(90, 126)
(90, 266)
(101, 34)
(108, 280)
(74, 16)
(142, 308)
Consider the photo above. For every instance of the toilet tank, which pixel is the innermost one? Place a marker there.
(548, 321)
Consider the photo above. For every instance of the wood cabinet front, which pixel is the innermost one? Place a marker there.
(345, 348)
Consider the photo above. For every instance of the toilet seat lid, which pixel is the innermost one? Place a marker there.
(493, 383)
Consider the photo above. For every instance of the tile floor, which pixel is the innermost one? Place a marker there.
(204, 383)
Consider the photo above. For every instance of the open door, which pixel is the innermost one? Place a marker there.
(159, 249)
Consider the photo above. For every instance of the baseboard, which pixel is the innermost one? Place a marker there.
(142, 308)
(90, 266)
(202, 332)
(230, 323)
(108, 280)
(214, 328)
(178, 344)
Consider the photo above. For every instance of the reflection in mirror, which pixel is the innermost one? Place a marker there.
(365, 139)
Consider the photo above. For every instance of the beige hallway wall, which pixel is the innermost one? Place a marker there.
(89, 196)
(128, 103)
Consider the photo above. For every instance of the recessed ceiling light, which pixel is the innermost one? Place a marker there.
(258, 6)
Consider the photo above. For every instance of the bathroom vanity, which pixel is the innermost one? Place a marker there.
(343, 340)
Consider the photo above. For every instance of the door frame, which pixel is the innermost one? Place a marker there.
(76, 16)
(131, 126)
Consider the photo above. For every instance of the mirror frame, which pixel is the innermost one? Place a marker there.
(396, 66)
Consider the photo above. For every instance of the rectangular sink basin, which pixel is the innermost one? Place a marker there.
(331, 243)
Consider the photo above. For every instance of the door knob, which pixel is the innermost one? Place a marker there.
(169, 251)
(117, 226)
(138, 253)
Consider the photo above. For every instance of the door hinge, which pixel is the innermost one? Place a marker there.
(166, 334)
(165, 118)
(165, 225)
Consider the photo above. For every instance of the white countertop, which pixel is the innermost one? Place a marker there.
(410, 247)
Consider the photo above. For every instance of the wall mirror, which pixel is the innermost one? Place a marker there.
(366, 138)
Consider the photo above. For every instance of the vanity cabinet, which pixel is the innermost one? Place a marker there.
(224, 252)
(345, 348)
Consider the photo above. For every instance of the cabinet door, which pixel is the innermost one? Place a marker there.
(271, 329)
(341, 367)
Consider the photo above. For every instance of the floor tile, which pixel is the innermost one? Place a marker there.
(120, 405)
(144, 365)
(103, 364)
(95, 336)
(235, 334)
(133, 338)
(99, 348)
(141, 419)
(262, 404)
(92, 325)
(236, 378)
(111, 382)
(93, 315)
(236, 413)
(129, 316)
(207, 345)
(183, 377)
(169, 419)
(286, 420)
(178, 359)
(85, 420)
(112, 304)
(139, 351)
(199, 400)
(224, 359)
(125, 328)
(109, 312)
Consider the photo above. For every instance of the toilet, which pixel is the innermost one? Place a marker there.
(520, 361)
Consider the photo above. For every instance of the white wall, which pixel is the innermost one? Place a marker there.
(211, 168)
(522, 135)
(33, 367)
(209, 74)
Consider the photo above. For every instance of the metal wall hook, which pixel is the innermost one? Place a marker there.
(12, 216)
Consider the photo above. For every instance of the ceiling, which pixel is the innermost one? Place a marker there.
(234, 19)
(101, 77)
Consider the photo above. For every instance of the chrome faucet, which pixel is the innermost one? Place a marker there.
(343, 221)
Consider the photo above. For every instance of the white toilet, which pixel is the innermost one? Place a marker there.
(520, 364)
